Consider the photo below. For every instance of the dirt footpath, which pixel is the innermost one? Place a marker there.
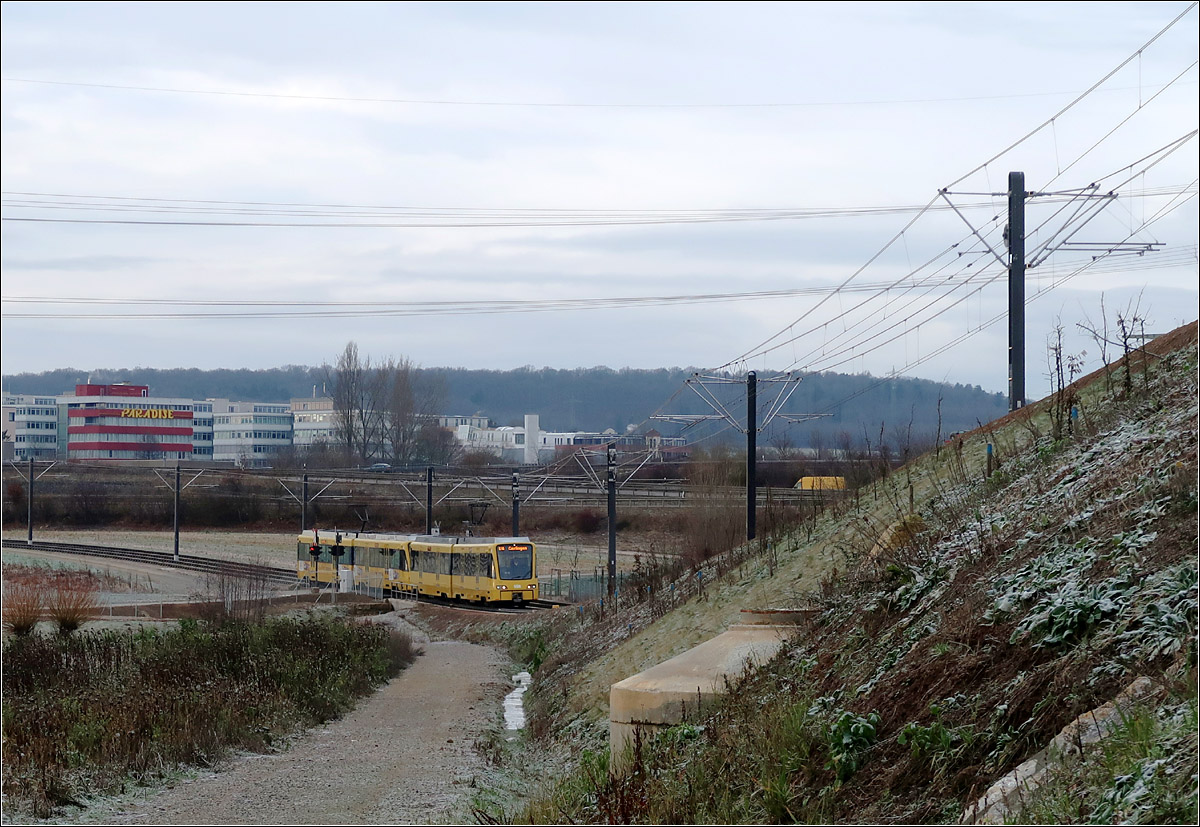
(404, 755)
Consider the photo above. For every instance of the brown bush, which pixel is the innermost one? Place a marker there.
(72, 606)
(587, 520)
(22, 607)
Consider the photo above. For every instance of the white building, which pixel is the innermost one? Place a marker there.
(314, 422)
(30, 426)
(250, 433)
(202, 431)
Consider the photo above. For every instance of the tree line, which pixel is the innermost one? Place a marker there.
(580, 399)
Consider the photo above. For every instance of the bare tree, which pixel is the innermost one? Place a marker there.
(356, 392)
(387, 411)
(1100, 337)
(400, 414)
(411, 401)
(784, 445)
(1063, 370)
(437, 444)
(816, 441)
(344, 378)
(1129, 322)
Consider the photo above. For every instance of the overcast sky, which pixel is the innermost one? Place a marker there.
(132, 121)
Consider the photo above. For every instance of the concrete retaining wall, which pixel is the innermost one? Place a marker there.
(680, 688)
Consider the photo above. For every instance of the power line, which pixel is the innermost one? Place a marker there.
(344, 309)
(435, 217)
(527, 104)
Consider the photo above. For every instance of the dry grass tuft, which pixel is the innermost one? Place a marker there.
(71, 607)
(22, 608)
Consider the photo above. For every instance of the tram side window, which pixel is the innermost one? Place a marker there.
(473, 565)
(431, 562)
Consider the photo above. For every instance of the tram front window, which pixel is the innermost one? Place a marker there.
(515, 562)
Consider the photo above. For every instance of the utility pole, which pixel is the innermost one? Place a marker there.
(29, 505)
(751, 454)
(612, 517)
(429, 500)
(1092, 202)
(304, 503)
(788, 384)
(176, 556)
(1016, 290)
(516, 511)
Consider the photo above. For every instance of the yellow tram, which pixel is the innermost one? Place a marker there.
(478, 569)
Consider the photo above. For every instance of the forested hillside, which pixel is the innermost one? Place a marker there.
(587, 398)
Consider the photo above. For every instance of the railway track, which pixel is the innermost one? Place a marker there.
(187, 562)
(207, 565)
(493, 608)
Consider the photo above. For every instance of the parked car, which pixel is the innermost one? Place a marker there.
(379, 466)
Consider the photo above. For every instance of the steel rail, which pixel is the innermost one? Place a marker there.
(206, 565)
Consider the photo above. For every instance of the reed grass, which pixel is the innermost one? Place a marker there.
(71, 606)
(23, 606)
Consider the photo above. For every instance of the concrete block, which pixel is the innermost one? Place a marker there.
(680, 688)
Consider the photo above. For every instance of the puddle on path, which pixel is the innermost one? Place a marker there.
(514, 706)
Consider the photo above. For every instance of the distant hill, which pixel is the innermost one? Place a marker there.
(591, 399)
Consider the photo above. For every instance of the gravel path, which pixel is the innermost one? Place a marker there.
(404, 755)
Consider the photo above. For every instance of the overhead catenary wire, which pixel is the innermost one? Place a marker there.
(1090, 90)
(1151, 159)
(1058, 282)
(714, 216)
(757, 349)
(1083, 211)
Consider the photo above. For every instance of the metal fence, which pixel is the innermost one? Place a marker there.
(577, 586)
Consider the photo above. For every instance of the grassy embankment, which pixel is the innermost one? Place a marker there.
(937, 661)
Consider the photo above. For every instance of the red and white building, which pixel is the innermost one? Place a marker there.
(123, 422)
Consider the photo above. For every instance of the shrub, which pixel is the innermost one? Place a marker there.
(401, 651)
(587, 521)
(850, 736)
(22, 608)
(71, 606)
